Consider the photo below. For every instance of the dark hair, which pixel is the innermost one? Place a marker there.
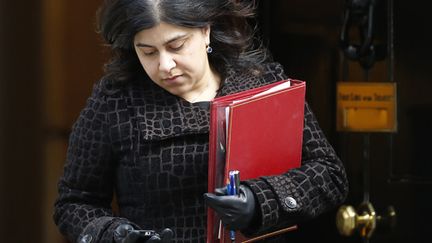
(232, 35)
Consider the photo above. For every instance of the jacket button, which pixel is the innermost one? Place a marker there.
(290, 202)
(86, 239)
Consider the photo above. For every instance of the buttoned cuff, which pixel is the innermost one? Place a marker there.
(267, 204)
(286, 192)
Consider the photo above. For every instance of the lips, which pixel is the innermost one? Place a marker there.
(172, 79)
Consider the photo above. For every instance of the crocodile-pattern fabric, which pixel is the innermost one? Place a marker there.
(317, 186)
(150, 148)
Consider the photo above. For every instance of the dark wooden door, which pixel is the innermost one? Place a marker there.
(304, 37)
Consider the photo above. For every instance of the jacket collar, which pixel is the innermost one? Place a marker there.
(162, 115)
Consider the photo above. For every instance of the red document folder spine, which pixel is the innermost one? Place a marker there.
(263, 137)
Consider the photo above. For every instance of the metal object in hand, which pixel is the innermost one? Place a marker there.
(233, 189)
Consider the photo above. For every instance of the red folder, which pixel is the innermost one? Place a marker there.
(258, 132)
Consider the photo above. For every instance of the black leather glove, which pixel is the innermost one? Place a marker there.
(235, 211)
(126, 233)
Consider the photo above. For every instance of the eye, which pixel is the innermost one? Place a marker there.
(148, 51)
(177, 45)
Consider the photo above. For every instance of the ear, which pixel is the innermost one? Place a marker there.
(206, 32)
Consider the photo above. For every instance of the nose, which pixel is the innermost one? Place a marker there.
(166, 62)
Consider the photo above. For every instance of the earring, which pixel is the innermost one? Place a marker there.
(209, 49)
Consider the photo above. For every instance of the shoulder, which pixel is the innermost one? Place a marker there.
(105, 91)
(273, 71)
(267, 73)
(239, 80)
(105, 103)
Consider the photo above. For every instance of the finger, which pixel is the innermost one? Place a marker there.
(122, 230)
(167, 235)
(132, 237)
(220, 201)
(217, 203)
(212, 200)
(154, 239)
(222, 191)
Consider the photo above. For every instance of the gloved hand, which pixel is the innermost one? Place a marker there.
(126, 233)
(235, 211)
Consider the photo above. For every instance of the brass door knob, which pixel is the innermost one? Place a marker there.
(364, 220)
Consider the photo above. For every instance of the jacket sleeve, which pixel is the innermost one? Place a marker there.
(318, 185)
(83, 207)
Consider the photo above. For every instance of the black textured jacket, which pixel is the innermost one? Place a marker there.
(150, 149)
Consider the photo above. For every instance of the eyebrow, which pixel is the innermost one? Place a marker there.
(181, 36)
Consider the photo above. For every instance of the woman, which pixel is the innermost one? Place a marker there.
(143, 134)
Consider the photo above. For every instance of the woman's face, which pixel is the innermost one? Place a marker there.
(175, 57)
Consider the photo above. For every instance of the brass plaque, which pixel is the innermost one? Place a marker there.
(366, 107)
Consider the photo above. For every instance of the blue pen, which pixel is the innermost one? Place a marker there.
(233, 189)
